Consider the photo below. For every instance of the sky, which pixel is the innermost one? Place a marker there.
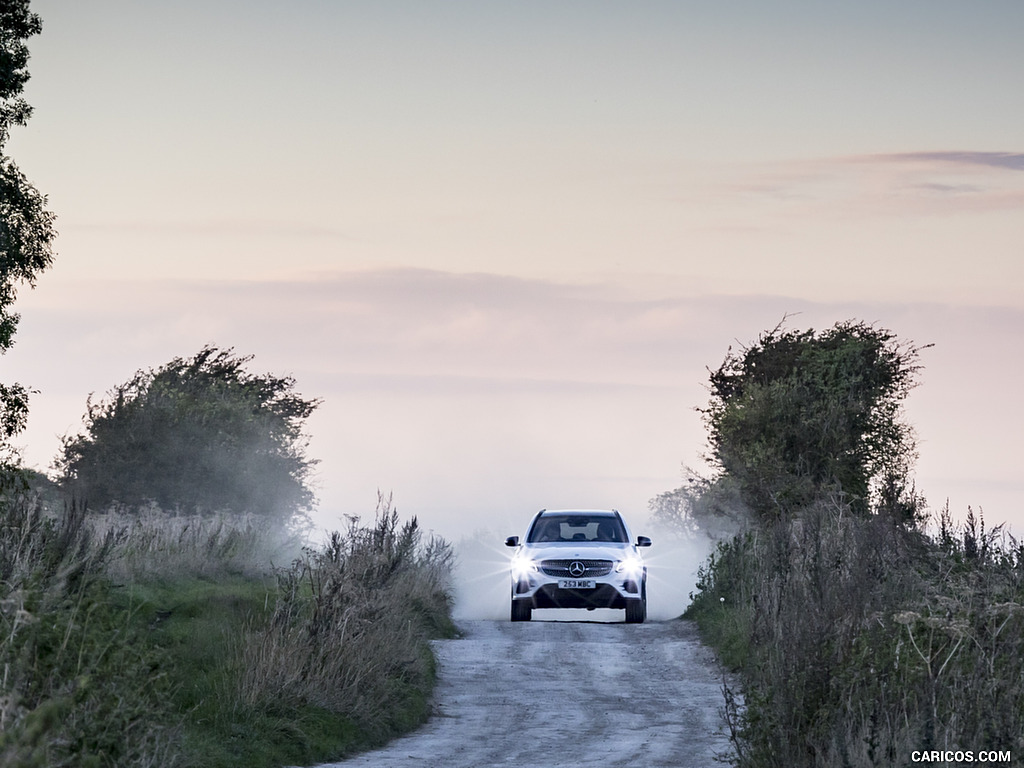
(504, 242)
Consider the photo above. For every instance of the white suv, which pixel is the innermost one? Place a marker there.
(578, 559)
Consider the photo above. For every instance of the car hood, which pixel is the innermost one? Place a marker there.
(575, 549)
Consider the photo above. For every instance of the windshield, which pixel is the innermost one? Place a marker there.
(553, 528)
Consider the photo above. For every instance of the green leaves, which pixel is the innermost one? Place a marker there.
(16, 24)
(801, 414)
(26, 236)
(197, 434)
(26, 226)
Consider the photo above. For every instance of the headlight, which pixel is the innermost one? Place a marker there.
(522, 567)
(631, 566)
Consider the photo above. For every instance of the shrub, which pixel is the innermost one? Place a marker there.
(350, 624)
(859, 641)
(198, 435)
(801, 415)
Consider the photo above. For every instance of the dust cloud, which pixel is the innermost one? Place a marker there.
(481, 577)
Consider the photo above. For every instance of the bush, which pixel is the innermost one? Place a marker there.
(859, 641)
(798, 416)
(348, 630)
(858, 636)
(197, 435)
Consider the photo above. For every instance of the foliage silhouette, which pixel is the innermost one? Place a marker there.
(26, 226)
(199, 435)
(802, 414)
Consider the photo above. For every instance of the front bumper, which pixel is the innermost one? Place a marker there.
(543, 592)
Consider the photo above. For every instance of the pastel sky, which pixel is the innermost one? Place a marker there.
(504, 241)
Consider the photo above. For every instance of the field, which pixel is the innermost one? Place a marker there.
(156, 640)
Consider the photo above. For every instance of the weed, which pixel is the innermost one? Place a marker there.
(348, 629)
(79, 686)
(859, 640)
(173, 641)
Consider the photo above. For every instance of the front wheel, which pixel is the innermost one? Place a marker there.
(521, 610)
(636, 611)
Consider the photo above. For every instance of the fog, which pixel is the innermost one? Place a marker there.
(477, 400)
(508, 298)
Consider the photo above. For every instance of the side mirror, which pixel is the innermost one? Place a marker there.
(643, 541)
(512, 541)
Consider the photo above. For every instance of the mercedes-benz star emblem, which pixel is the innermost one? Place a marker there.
(576, 568)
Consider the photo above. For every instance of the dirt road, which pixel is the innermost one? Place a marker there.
(568, 694)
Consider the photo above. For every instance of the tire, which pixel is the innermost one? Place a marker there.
(521, 610)
(636, 611)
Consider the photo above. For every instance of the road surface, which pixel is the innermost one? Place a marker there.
(567, 694)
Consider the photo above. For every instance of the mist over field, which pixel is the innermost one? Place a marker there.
(455, 393)
(511, 294)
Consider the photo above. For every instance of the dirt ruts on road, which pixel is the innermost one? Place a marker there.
(568, 694)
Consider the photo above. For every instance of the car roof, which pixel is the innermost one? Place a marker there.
(607, 512)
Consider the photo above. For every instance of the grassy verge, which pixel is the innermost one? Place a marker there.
(166, 642)
(859, 640)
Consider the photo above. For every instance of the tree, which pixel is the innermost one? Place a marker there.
(799, 415)
(26, 226)
(198, 434)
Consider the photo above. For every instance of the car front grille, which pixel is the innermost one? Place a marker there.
(560, 568)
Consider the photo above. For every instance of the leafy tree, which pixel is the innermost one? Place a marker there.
(198, 434)
(800, 415)
(26, 226)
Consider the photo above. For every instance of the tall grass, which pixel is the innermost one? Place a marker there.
(153, 544)
(78, 686)
(155, 640)
(860, 640)
(346, 633)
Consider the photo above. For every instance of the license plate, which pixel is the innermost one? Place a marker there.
(577, 584)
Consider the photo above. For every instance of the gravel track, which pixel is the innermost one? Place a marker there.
(567, 694)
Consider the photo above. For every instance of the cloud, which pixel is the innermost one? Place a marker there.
(453, 389)
(431, 323)
(389, 329)
(188, 228)
(881, 186)
(1010, 161)
(948, 189)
